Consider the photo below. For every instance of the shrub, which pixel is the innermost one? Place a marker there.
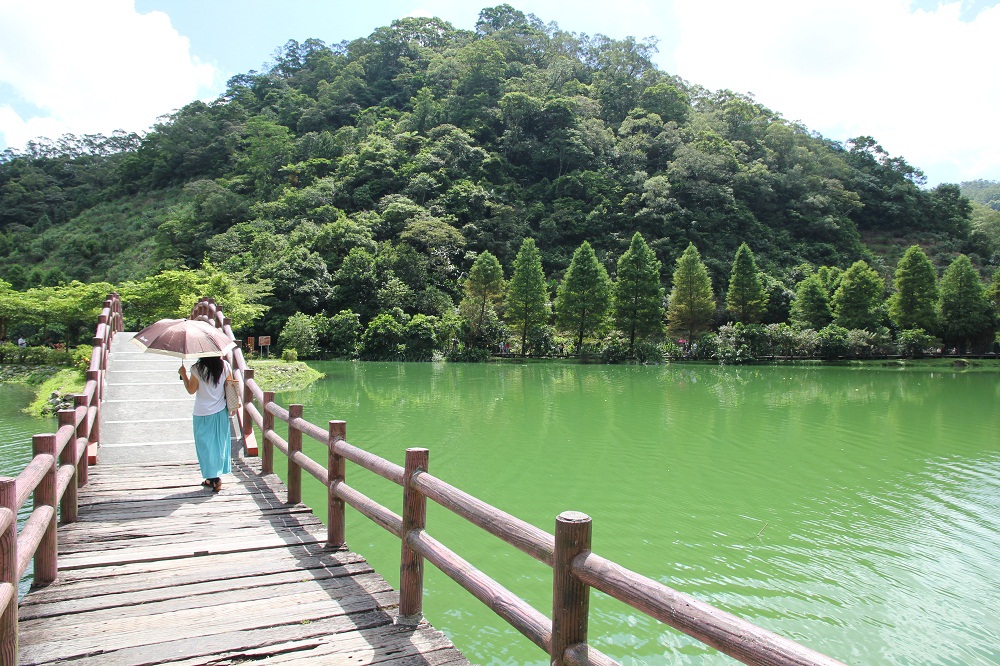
(300, 333)
(834, 341)
(289, 355)
(420, 338)
(914, 342)
(648, 352)
(613, 348)
(382, 340)
(343, 330)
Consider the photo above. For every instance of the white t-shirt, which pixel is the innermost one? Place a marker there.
(209, 399)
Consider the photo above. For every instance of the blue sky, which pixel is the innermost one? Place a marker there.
(918, 75)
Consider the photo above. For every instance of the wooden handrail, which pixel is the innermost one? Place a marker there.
(579, 573)
(57, 468)
(576, 568)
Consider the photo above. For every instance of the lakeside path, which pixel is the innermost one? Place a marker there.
(159, 570)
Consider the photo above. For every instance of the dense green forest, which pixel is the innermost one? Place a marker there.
(348, 192)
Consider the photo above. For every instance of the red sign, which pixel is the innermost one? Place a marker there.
(250, 343)
(264, 341)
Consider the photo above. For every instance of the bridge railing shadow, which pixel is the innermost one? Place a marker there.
(576, 568)
(58, 467)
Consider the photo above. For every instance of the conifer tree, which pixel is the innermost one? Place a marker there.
(857, 299)
(967, 317)
(484, 285)
(585, 294)
(746, 299)
(692, 305)
(811, 307)
(527, 299)
(914, 304)
(637, 297)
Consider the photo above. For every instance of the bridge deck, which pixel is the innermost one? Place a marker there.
(159, 570)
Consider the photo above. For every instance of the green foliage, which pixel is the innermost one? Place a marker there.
(527, 306)
(290, 355)
(746, 299)
(692, 305)
(300, 334)
(420, 338)
(637, 297)
(811, 307)
(914, 303)
(914, 342)
(382, 340)
(584, 296)
(834, 341)
(341, 334)
(968, 319)
(483, 288)
(858, 297)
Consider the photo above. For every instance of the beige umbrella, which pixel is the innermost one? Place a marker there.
(184, 338)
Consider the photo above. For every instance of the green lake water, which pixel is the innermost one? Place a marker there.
(16, 430)
(856, 511)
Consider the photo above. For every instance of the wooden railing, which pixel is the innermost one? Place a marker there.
(58, 467)
(575, 567)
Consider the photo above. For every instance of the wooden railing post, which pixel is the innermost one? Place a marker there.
(570, 597)
(82, 432)
(411, 566)
(46, 565)
(294, 446)
(336, 470)
(8, 572)
(68, 503)
(95, 428)
(248, 438)
(267, 454)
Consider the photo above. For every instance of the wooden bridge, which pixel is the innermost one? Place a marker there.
(148, 567)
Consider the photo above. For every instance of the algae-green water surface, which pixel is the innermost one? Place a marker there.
(856, 510)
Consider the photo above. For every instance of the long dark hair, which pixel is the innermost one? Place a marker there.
(210, 367)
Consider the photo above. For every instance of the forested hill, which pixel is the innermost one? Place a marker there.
(390, 162)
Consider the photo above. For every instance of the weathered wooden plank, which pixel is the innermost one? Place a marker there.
(286, 592)
(163, 573)
(234, 646)
(67, 644)
(171, 573)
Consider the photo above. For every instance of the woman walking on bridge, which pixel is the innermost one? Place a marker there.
(211, 418)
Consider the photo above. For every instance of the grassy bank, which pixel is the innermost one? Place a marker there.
(278, 375)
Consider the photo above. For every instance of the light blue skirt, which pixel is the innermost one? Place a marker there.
(211, 443)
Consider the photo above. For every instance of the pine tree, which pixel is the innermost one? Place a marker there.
(857, 299)
(914, 305)
(811, 307)
(637, 297)
(527, 299)
(484, 285)
(692, 305)
(967, 317)
(746, 299)
(585, 294)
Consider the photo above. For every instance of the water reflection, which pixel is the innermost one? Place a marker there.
(857, 511)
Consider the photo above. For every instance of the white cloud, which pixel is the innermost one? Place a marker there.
(918, 81)
(87, 67)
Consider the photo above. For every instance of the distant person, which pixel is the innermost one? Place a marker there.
(21, 342)
(207, 384)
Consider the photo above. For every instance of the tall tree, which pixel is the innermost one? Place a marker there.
(914, 304)
(967, 319)
(746, 299)
(691, 302)
(585, 294)
(811, 307)
(484, 285)
(527, 299)
(637, 297)
(857, 299)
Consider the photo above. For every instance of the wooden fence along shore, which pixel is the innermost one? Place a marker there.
(576, 568)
